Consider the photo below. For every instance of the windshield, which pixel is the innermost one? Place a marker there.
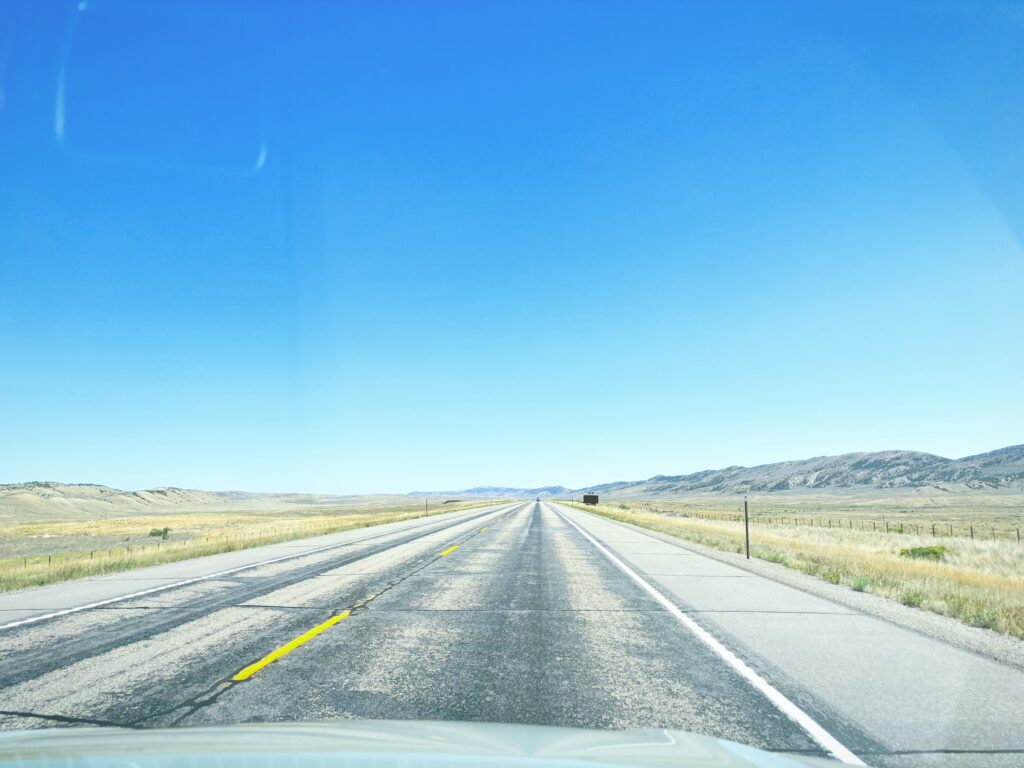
(599, 365)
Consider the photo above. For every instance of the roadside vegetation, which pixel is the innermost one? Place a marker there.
(37, 553)
(977, 581)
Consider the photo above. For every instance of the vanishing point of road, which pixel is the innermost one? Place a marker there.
(527, 612)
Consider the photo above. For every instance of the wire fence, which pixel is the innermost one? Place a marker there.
(935, 529)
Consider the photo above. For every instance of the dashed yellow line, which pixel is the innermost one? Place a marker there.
(304, 638)
(287, 648)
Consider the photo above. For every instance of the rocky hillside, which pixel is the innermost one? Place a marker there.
(882, 470)
(1000, 469)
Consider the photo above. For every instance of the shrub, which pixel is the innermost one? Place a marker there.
(924, 553)
(987, 619)
(913, 599)
(163, 533)
(832, 575)
(774, 556)
(860, 584)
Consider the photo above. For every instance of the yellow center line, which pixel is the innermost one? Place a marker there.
(304, 638)
(287, 648)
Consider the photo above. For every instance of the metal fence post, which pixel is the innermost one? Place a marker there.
(746, 525)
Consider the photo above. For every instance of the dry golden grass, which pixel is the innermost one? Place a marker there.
(55, 551)
(978, 582)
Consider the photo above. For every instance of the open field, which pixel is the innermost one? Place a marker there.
(978, 581)
(37, 552)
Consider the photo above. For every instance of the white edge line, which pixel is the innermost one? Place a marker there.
(776, 697)
(184, 582)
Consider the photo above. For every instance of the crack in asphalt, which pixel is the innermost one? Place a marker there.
(58, 718)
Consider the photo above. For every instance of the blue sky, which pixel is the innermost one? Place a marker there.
(388, 247)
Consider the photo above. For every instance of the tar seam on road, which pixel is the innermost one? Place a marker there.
(59, 718)
(185, 582)
(775, 696)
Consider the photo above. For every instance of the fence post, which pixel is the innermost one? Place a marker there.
(886, 526)
(972, 532)
(933, 530)
(746, 525)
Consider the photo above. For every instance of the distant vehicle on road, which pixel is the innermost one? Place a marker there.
(538, 498)
(590, 498)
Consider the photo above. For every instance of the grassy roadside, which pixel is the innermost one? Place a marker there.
(95, 547)
(980, 583)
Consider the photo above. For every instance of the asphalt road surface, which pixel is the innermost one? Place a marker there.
(520, 613)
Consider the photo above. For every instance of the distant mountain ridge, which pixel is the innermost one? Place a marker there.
(1002, 469)
(485, 491)
(999, 470)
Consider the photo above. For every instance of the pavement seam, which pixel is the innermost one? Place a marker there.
(58, 718)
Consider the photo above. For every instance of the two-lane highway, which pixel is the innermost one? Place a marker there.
(520, 613)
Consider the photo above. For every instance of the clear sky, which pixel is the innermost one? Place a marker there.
(393, 247)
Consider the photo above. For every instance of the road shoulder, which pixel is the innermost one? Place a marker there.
(893, 695)
(986, 642)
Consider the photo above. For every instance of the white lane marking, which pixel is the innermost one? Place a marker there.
(773, 694)
(185, 582)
